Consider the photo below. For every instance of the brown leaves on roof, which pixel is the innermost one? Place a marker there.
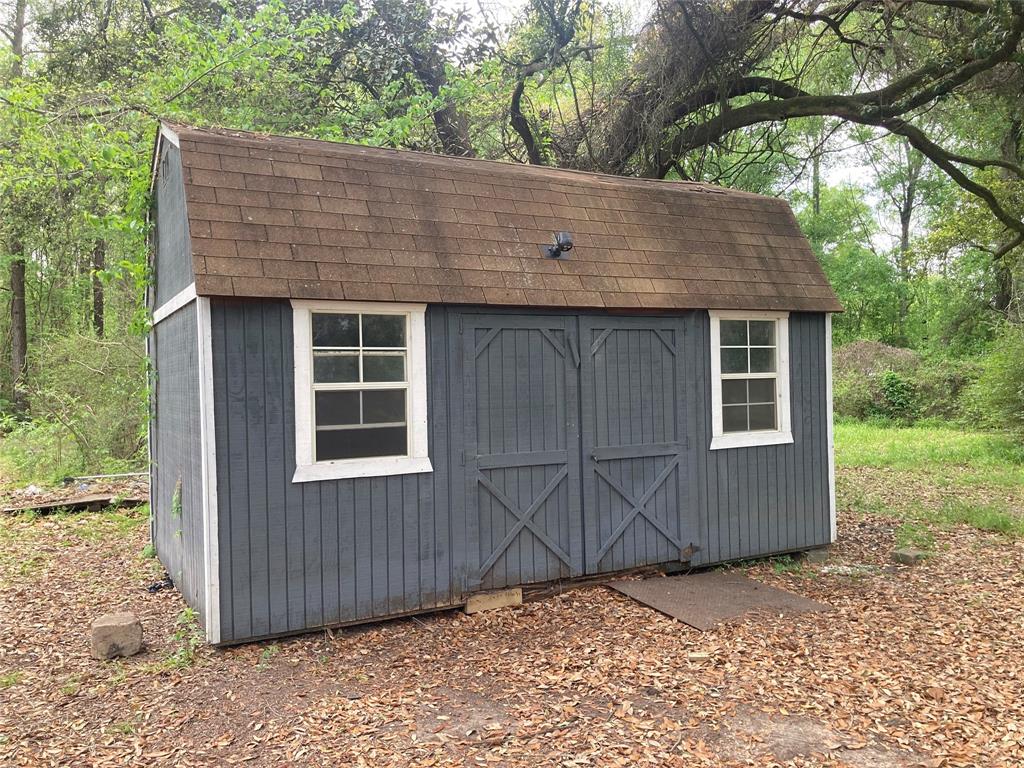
(279, 217)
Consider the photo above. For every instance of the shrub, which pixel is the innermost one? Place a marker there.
(875, 381)
(898, 398)
(88, 410)
(942, 384)
(996, 400)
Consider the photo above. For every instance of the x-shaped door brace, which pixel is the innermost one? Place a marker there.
(639, 506)
(485, 342)
(603, 336)
(524, 520)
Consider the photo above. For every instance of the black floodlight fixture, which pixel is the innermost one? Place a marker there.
(563, 244)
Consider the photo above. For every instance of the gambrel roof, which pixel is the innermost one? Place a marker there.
(271, 216)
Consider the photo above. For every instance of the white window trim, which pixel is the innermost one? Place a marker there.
(308, 470)
(721, 439)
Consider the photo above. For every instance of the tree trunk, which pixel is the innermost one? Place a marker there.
(99, 258)
(1006, 300)
(18, 38)
(816, 183)
(907, 205)
(19, 331)
(19, 320)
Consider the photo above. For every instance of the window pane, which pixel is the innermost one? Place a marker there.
(382, 406)
(734, 333)
(734, 391)
(358, 443)
(762, 390)
(337, 408)
(383, 367)
(734, 360)
(762, 360)
(383, 330)
(331, 330)
(762, 417)
(762, 333)
(332, 367)
(734, 418)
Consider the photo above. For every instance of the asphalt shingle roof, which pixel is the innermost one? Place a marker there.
(271, 216)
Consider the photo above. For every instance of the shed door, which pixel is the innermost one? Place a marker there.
(520, 410)
(634, 446)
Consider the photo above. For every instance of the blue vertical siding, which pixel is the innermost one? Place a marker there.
(769, 499)
(301, 555)
(532, 401)
(177, 528)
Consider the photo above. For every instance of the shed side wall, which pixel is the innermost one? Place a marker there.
(177, 524)
(767, 499)
(173, 265)
(297, 556)
(300, 555)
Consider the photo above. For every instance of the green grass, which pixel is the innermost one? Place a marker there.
(994, 517)
(989, 459)
(916, 535)
(949, 477)
(9, 679)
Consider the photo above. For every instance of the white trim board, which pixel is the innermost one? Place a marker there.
(181, 299)
(208, 446)
(721, 439)
(830, 430)
(163, 134)
(417, 461)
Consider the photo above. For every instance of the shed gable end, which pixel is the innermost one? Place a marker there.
(172, 258)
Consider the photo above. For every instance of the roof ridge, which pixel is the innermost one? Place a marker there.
(433, 157)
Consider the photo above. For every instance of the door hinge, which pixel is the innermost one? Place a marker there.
(462, 458)
(460, 324)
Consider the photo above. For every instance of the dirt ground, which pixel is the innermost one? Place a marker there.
(913, 667)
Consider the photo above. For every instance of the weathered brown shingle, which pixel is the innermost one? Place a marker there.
(287, 217)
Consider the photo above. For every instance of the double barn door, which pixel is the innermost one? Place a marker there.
(573, 445)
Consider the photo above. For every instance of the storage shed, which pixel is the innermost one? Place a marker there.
(378, 389)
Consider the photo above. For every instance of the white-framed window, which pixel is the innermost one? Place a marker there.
(360, 389)
(749, 379)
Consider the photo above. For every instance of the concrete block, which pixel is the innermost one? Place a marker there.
(816, 556)
(489, 601)
(116, 634)
(909, 556)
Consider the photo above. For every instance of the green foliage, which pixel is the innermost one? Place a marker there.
(76, 133)
(875, 381)
(899, 398)
(787, 564)
(267, 656)
(88, 411)
(997, 399)
(176, 500)
(189, 639)
(148, 552)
